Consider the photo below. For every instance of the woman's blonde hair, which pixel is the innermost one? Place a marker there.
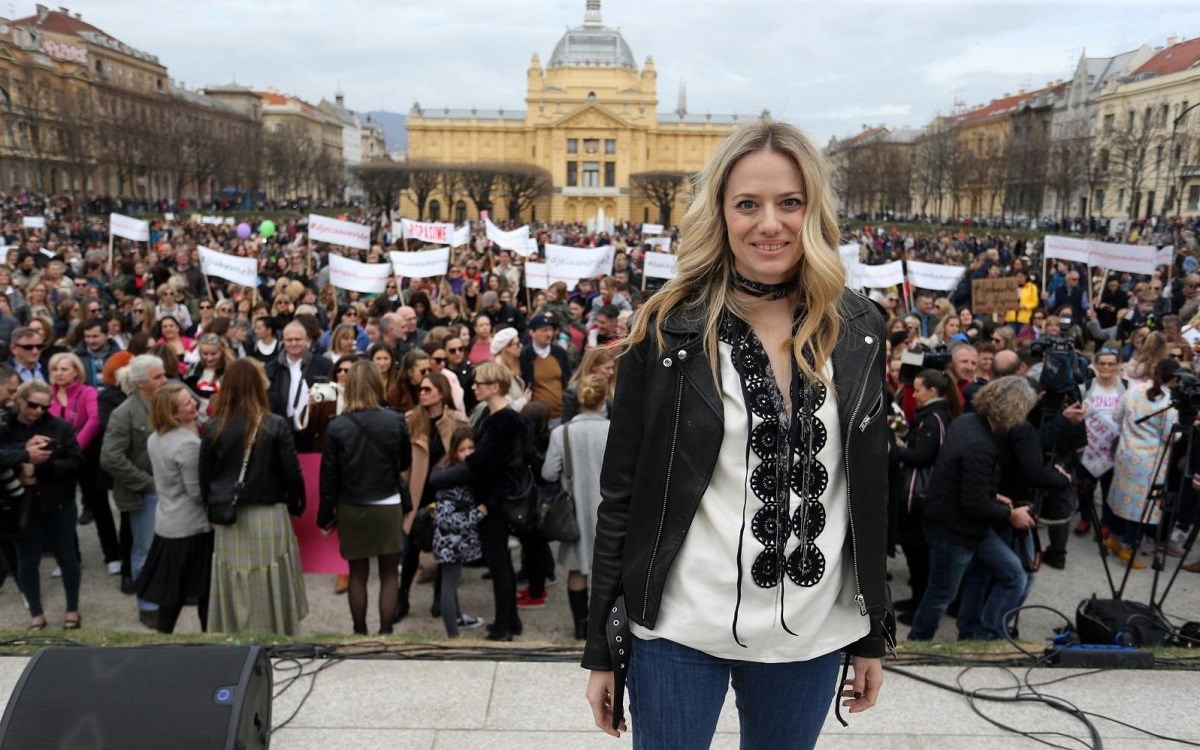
(364, 387)
(705, 260)
(76, 363)
(1005, 401)
(163, 416)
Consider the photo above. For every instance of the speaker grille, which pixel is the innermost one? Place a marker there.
(92, 698)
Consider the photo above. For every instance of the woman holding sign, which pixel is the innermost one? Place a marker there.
(742, 529)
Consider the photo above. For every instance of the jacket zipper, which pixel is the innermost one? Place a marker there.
(858, 597)
(662, 518)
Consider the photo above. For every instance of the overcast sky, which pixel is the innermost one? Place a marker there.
(830, 67)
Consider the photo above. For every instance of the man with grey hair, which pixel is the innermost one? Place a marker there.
(399, 331)
(291, 374)
(126, 460)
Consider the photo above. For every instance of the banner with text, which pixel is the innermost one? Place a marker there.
(129, 227)
(579, 262)
(344, 233)
(1067, 248)
(462, 236)
(356, 276)
(662, 243)
(879, 277)
(660, 266)
(539, 276)
(33, 222)
(435, 233)
(849, 256)
(517, 240)
(239, 270)
(652, 229)
(422, 264)
(934, 276)
(1142, 259)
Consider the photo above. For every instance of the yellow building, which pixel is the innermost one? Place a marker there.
(591, 120)
(1147, 149)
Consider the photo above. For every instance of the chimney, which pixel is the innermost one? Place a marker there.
(42, 12)
(1172, 40)
(78, 16)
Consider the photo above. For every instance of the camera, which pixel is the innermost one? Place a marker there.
(1185, 397)
(921, 357)
(1064, 370)
(323, 392)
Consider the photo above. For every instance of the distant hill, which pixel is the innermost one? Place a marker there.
(393, 128)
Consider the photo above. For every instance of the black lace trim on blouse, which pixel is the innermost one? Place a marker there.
(786, 446)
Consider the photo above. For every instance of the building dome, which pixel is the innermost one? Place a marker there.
(592, 45)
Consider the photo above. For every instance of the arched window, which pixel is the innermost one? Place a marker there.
(460, 212)
(435, 210)
(591, 96)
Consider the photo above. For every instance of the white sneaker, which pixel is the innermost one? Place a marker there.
(467, 621)
(56, 573)
(114, 568)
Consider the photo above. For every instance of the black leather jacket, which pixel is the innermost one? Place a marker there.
(663, 441)
(365, 452)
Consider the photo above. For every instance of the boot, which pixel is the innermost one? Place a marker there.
(401, 610)
(579, 612)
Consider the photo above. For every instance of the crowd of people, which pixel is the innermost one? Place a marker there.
(178, 393)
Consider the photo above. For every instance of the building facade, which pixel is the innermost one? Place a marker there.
(591, 120)
(876, 168)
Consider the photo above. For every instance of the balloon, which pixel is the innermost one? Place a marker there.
(267, 228)
(243, 231)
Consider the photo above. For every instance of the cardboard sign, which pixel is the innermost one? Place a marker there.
(995, 295)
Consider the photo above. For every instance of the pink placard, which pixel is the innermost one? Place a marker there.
(317, 554)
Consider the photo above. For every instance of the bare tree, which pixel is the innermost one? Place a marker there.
(936, 158)
(384, 182)
(660, 188)
(523, 185)
(448, 183)
(1131, 148)
(1067, 162)
(478, 181)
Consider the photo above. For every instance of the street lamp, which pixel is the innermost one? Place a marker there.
(1182, 163)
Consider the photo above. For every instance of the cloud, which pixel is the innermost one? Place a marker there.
(859, 112)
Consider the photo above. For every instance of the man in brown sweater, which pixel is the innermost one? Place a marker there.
(544, 366)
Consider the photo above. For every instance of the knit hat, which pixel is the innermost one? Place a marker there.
(501, 339)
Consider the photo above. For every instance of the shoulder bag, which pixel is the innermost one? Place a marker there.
(918, 478)
(14, 504)
(556, 512)
(223, 512)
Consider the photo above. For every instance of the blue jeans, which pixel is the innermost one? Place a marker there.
(985, 600)
(676, 694)
(54, 531)
(141, 524)
(948, 565)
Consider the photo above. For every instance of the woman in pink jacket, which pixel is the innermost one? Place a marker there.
(75, 402)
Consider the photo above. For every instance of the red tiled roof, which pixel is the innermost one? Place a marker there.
(270, 97)
(1181, 56)
(865, 135)
(59, 23)
(1004, 106)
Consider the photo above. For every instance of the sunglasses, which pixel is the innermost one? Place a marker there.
(1176, 357)
(28, 347)
(454, 350)
(38, 405)
(343, 370)
(427, 389)
(439, 360)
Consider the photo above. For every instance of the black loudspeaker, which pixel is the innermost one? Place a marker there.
(202, 697)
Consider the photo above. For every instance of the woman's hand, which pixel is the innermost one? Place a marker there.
(861, 690)
(482, 508)
(600, 689)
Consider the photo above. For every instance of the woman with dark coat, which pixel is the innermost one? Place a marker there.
(363, 493)
(49, 480)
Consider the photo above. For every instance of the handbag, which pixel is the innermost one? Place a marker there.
(918, 479)
(222, 512)
(423, 527)
(556, 514)
(521, 507)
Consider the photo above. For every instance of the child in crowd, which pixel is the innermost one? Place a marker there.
(456, 535)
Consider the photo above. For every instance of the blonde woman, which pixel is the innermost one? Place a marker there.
(341, 343)
(1140, 366)
(763, 582)
(602, 361)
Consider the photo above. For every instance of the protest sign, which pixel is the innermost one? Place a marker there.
(344, 233)
(662, 243)
(462, 236)
(355, 276)
(33, 222)
(995, 295)
(129, 227)
(239, 270)
(879, 277)
(579, 262)
(435, 233)
(652, 229)
(660, 266)
(849, 255)
(422, 264)
(1066, 248)
(517, 240)
(933, 276)
(1128, 258)
(538, 276)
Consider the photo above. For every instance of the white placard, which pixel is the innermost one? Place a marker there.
(435, 233)
(579, 262)
(849, 255)
(517, 240)
(934, 276)
(33, 222)
(212, 220)
(1127, 258)
(879, 277)
(462, 236)
(1066, 248)
(662, 243)
(652, 229)
(239, 270)
(660, 266)
(356, 276)
(422, 264)
(1165, 257)
(129, 227)
(538, 276)
(344, 233)
(168, 216)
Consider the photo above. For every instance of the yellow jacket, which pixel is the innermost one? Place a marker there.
(1029, 300)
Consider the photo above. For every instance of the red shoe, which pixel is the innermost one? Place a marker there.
(530, 602)
(1083, 528)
